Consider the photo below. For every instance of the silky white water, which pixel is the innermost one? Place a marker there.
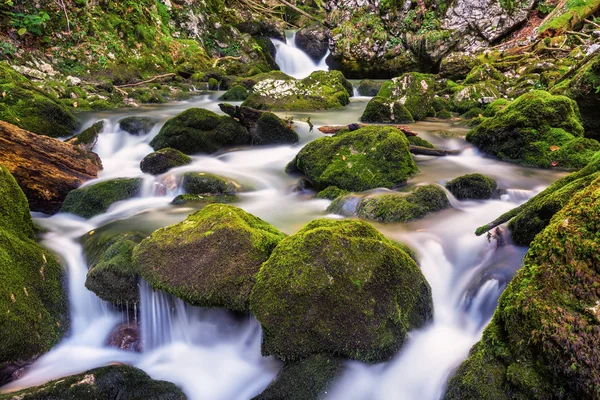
(294, 61)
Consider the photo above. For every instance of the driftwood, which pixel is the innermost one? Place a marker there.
(426, 151)
(225, 58)
(246, 115)
(332, 129)
(143, 82)
(504, 218)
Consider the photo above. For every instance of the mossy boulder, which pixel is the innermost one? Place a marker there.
(494, 107)
(306, 379)
(113, 382)
(342, 288)
(33, 302)
(537, 129)
(401, 207)
(331, 193)
(457, 65)
(112, 275)
(483, 73)
(236, 93)
(163, 160)
(472, 187)
(368, 87)
(419, 141)
(203, 183)
(270, 129)
(137, 125)
(476, 95)
(359, 160)
(210, 259)
(321, 90)
(382, 110)
(197, 130)
(24, 105)
(95, 199)
(414, 91)
(544, 333)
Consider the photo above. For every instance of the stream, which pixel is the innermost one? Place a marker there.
(214, 355)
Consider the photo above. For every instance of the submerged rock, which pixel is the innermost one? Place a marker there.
(161, 161)
(97, 198)
(339, 287)
(472, 187)
(45, 168)
(138, 125)
(32, 298)
(363, 159)
(210, 259)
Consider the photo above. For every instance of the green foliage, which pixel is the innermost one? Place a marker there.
(30, 23)
(7, 49)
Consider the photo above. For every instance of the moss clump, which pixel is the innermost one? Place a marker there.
(473, 113)
(236, 93)
(95, 199)
(29, 108)
(493, 108)
(306, 379)
(418, 141)
(163, 160)
(197, 130)
(472, 187)
(483, 73)
(199, 199)
(202, 183)
(544, 332)
(370, 88)
(320, 91)
(89, 136)
(331, 193)
(381, 110)
(113, 382)
(210, 259)
(443, 114)
(112, 275)
(537, 129)
(400, 207)
(363, 159)
(137, 125)
(33, 304)
(270, 129)
(339, 287)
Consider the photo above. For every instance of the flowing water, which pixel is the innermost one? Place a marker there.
(212, 354)
(294, 61)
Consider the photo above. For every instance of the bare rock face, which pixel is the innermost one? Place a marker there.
(45, 168)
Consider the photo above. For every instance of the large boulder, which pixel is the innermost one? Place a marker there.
(95, 199)
(210, 259)
(313, 39)
(45, 168)
(122, 382)
(543, 341)
(137, 125)
(163, 160)
(413, 92)
(342, 288)
(33, 302)
(321, 90)
(472, 187)
(537, 129)
(366, 158)
(197, 130)
(204, 183)
(30, 108)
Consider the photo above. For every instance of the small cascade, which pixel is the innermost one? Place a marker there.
(294, 61)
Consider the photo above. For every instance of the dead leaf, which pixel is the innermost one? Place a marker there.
(554, 148)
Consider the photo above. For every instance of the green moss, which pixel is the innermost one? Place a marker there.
(482, 73)
(443, 114)
(306, 379)
(331, 193)
(197, 130)
(472, 96)
(210, 259)
(89, 136)
(33, 303)
(97, 198)
(418, 141)
(202, 183)
(400, 207)
(112, 275)
(472, 113)
(571, 15)
(270, 129)
(200, 199)
(537, 129)
(415, 91)
(382, 110)
(163, 160)
(137, 125)
(358, 160)
(116, 381)
(493, 108)
(339, 287)
(472, 187)
(213, 84)
(236, 93)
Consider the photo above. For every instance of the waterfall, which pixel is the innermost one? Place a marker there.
(294, 61)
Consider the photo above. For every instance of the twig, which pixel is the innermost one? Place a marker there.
(591, 22)
(124, 93)
(578, 34)
(148, 81)
(225, 58)
(61, 4)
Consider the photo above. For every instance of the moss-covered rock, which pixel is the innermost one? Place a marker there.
(402, 207)
(321, 90)
(210, 259)
(475, 95)
(163, 160)
(307, 379)
(236, 93)
(537, 129)
(457, 65)
(270, 129)
(33, 303)
(197, 130)
(88, 138)
(113, 382)
(493, 108)
(339, 287)
(201, 199)
(419, 141)
(544, 333)
(414, 91)
(382, 110)
(112, 275)
(472, 187)
(368, 87)
(202, 183)
(24, 105)
(363, 159)
(482, 73)
(137, 125)
(331, 193)
(95, 199)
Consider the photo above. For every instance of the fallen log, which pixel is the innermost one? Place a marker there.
(246, 115)
(426, 151)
